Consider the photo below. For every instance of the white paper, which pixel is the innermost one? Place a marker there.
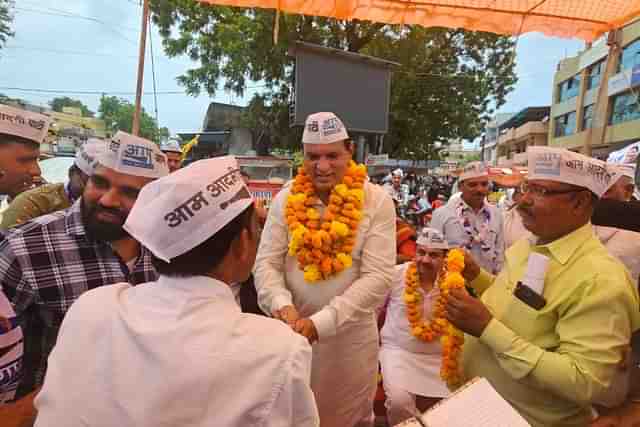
(536, 269)
(477, 404)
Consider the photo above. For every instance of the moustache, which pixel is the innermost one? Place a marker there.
(101, 209)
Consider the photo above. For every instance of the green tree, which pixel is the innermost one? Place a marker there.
(117, 114)
(6, 18)
(449, 83)
(57, 104)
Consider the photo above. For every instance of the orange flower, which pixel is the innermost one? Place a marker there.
(324, 243)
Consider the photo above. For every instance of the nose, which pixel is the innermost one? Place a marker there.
(323, 165)
(111, 199)
(34, 170)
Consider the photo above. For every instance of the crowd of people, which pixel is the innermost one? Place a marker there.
(144, 293)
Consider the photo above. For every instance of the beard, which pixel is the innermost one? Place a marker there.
(100, 230)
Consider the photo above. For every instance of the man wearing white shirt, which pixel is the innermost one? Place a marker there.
(471, 222)
(334, 308)
(178, 351)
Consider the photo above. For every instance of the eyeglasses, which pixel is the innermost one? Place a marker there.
(540, 192)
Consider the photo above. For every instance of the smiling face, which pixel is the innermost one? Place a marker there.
(107, 200)
(429, 261)
(326, 164)
(474, 191)
(18, 165)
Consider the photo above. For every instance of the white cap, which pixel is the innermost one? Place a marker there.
(397, 172)
(560, 165)
(87, 155)
(132, 155)
(620, 170)
(178, 212)
(24, 124)
(431, 238)
(171, 146)
(323, 128)
(474, 170)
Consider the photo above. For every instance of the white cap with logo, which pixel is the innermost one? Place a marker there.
(432, 239)
(323, 128)
(474, 170)
(561, 165)
(24, 124)
(171, 146)
(87, 155)
(132, 155)
(174, 214)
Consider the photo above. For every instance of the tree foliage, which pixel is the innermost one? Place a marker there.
(57, 104)
(117, 114)
(449, 83)
(6, 18)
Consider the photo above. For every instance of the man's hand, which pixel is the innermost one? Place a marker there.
(471, 267)
(288, 314)
(467, 313)
(261, 211)
(306, 328)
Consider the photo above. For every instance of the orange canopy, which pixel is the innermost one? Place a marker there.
(585, 19)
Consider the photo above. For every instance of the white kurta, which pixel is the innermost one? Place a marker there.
(624, 245)
(176, 352)
(345, 359)
(447, 222)
(407, 362)
(11, 349)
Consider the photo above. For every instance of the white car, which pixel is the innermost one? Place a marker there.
(56, 169)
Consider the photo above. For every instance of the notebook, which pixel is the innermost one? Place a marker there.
(475, 404)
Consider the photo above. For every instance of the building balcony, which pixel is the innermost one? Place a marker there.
(531, 128)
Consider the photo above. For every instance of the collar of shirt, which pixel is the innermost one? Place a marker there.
(201, 287)
(466, 207)
(563, 248)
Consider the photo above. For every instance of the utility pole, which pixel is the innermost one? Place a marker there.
(143, 45)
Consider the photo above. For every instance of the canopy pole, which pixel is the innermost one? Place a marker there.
(143, 44)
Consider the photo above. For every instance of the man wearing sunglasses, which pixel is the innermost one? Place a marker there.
(550, 331)
(471, 222)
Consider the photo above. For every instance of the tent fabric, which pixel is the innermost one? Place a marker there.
(584, 19)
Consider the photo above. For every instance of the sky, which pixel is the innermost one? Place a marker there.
(92, 46)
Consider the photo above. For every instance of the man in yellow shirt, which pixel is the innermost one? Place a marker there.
(553, 347)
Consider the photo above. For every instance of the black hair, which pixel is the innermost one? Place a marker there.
(208, 254)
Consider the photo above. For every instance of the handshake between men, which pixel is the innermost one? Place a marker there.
(303, 326)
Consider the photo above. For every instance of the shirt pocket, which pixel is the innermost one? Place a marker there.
(524, 320)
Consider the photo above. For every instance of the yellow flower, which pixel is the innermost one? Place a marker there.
(454, 280)
(358, 194)
(311, 273)
(345, 259)
(409, 298)
(342, 190)
(313, 214)
(340, 228)
(455, 260)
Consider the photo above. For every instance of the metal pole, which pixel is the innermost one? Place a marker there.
(143, 44)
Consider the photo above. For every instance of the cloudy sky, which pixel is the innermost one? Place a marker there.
(91, 46)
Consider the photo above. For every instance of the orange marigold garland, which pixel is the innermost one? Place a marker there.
(323, 245)
(451, 338)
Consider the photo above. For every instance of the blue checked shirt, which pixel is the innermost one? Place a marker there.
(45, 265)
